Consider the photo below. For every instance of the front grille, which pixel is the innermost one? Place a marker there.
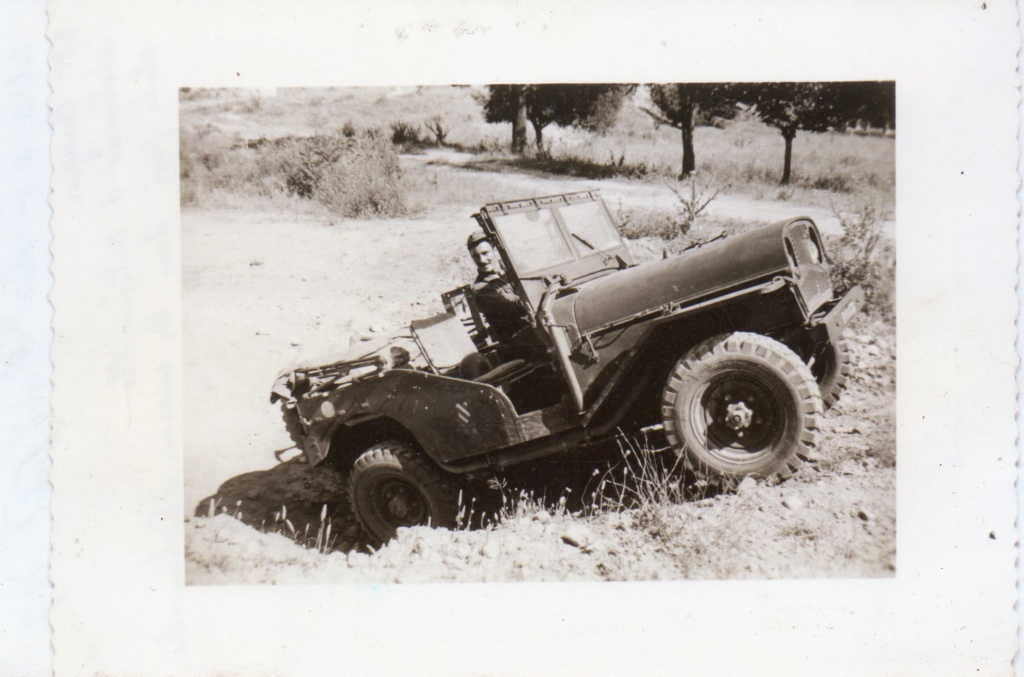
(815, 286)
(812, 276)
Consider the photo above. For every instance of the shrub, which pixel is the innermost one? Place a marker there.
(857, 257)
(440, 131)
(306, 164)
(364, 180)
(404, 133)
(691, 203)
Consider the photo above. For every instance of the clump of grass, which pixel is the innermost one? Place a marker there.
(574, 165)
(645, 477)
(639, 222)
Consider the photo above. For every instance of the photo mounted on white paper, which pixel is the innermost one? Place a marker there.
(539, 332)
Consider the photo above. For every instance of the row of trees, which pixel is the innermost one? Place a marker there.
(790, 107)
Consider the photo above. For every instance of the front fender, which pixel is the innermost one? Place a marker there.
(450, 418)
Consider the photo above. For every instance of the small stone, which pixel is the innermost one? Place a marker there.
(542, 516)
(577, 535)
(794, 503)
(864, 514)
(748, 485)
(874, 351)
(376, 328)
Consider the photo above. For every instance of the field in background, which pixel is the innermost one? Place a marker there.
(221, 133)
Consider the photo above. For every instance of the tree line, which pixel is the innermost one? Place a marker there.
(789, 107)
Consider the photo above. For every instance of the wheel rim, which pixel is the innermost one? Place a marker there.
(738, 416)
(398, 503)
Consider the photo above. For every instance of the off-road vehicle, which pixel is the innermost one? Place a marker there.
(733, 347)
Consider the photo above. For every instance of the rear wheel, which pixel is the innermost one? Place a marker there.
(392, 486)
(741, 405)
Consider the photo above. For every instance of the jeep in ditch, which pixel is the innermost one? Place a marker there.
(733, 348)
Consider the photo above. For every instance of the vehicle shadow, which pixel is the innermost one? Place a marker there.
(294, 500)
(300, 502)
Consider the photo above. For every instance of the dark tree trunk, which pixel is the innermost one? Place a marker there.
(689, 161)
(686, 127)
(538, 131)
(519, 121)
(788, 136)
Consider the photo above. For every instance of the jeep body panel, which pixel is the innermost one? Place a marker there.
(748, 280)
(716, 268)
(450, 418)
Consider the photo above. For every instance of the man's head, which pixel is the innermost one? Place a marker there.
(485, 256)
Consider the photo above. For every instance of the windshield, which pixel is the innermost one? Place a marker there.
(570, 235)
(533, 240)
(590, 227)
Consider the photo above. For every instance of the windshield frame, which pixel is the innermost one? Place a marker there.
(581, 263)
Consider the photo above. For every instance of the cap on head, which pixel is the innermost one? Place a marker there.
(476, 238)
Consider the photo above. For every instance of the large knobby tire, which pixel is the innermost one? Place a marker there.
(741, 405)
(392, 486)
(832, 366)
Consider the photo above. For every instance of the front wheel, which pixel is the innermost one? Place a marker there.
(741, 405)
(392, 486)
(831, 366)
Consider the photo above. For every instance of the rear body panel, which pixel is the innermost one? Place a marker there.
(717, 268)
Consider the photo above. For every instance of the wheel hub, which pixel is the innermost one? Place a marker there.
(738, 413)
(738, 416)
(399, 506)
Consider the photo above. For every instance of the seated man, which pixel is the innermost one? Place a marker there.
(509, 318)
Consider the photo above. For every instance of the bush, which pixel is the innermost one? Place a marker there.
(305, 165)
(362, 181)
(857, 257)
(404, 133)
(692, 202)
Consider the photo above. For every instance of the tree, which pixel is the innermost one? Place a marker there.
(686, 105)
(870, 104)
(585, 105)
(818, 107)
(792, 106)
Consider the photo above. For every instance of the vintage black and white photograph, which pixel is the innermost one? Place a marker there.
(533, 338)
(539, 332)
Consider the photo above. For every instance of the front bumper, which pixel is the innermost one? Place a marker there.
(837, 315)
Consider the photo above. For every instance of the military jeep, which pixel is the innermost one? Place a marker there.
(733, 348)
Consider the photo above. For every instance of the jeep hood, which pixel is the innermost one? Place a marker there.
(715, 268)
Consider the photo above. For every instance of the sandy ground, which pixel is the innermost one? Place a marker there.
(264, 290)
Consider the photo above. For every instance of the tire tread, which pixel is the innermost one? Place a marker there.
(776, 354)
